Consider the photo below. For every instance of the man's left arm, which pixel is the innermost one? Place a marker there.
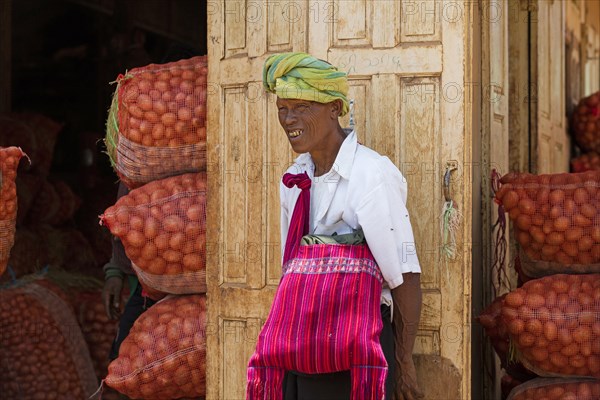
(407, 300)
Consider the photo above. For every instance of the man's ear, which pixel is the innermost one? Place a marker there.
(336, 108)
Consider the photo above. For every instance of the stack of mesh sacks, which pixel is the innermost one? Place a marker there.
(156, 140)
(553, 319)
(47, 205)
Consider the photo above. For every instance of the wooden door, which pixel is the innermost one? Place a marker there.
(591, 58)
(406, 61)
(574, 67)
(549, 126)
(495, 155)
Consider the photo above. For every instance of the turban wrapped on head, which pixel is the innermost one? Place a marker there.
(302, 76)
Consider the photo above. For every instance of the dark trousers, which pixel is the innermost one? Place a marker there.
(336, 386)
(135, 307)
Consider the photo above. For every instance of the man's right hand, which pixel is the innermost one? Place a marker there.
(111, 296)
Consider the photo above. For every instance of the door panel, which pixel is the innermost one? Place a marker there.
(548, 109)
(495, 154)
(591, 55)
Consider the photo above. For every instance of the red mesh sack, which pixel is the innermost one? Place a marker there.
(82, 260)
(26, 256)
(84, 295)
(556, 221)
(554, 325)
(98, 331)
(151, 292)
(46, 132)
(162, 226)
(9, 161)
(521, 276)
(68, 204)
(585, 123)
(54, 249)
(586, 162)
(54, 203)
(557, 389)
(507, 384)
(156, 123)
(495, 329)
(164, 355)
(16, 133)
(46, 204)
(42, 350)
(28, 186)
(47, 283)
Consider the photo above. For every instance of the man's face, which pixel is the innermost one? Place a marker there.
(306, 123)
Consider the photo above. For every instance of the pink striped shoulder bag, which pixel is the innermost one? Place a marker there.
(325, 316)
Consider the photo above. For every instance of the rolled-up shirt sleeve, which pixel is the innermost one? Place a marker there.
(384, 219)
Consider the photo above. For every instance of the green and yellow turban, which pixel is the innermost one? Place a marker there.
(302, 76)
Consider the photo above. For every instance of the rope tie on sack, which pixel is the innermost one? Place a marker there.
(500, 245)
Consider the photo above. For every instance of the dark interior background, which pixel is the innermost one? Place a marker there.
(65, 54)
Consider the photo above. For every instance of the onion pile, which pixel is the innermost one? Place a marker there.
(43, 352)
(9, 161)
(556, 219)
(554, 323)
(557, 389)
(586, 123)
(156, 124)
(164, 355)
(586, 162)
(162, 226)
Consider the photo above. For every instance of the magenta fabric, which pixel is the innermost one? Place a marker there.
(325, 317)
(300, 217)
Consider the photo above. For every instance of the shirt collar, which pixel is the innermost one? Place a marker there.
(343, 161)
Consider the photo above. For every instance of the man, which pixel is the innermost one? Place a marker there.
(353, 193)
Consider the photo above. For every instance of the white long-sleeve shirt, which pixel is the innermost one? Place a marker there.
(364, 190)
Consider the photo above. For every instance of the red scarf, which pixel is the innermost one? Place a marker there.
(325, 316)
